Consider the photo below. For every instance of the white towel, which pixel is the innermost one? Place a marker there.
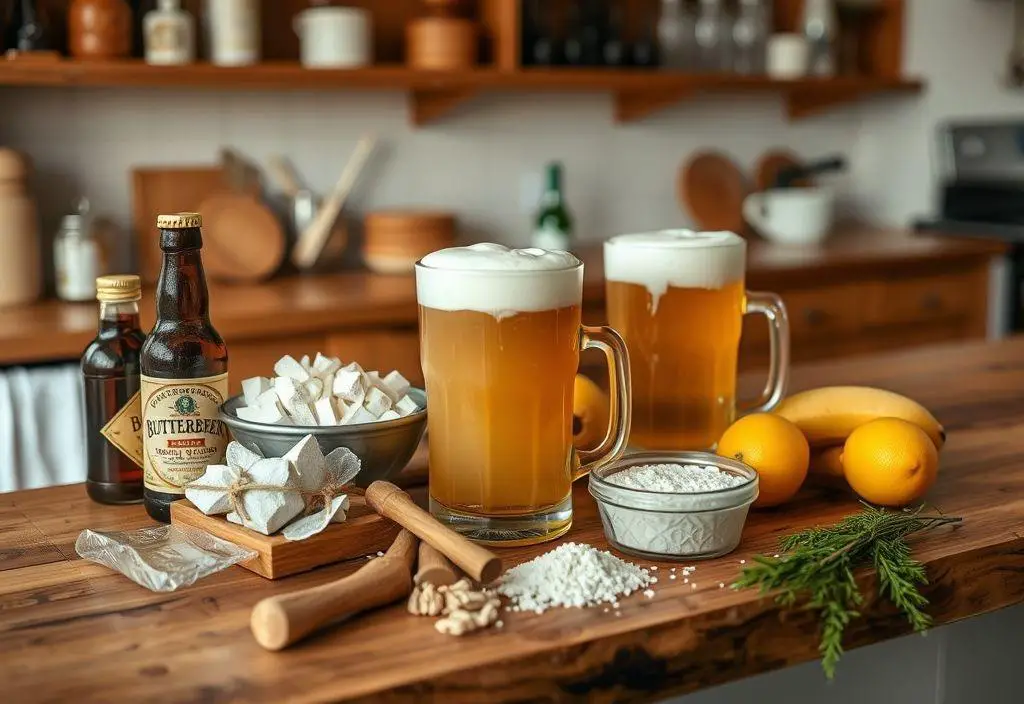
(42, 427)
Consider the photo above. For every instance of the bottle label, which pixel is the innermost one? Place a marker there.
(549, 236)
(181, 430)
(124, 430)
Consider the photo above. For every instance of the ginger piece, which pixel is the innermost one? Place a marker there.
(425, 600)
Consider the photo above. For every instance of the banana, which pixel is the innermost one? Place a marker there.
(828, 415)
(828, 462)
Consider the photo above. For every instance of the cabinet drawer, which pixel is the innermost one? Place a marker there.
(924, 300)
(813, 313)
(257, 357)
(381, 350)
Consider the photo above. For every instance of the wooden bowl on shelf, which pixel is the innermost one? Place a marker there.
(441, 43)
(394, 240)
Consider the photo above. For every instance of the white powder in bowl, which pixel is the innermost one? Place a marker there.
(685, 479)
(652, 527)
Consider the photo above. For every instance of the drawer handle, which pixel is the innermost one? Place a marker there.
(815, 316)
(932, 303)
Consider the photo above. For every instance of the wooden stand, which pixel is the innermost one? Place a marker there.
(364, 533)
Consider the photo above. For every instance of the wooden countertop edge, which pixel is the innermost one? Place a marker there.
(696, 652)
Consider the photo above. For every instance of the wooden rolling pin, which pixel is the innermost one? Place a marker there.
(434, 568)
(279, 621)
(391, 502)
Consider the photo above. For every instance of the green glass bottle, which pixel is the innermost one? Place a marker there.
(553, 225)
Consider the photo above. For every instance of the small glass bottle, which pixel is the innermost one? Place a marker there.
(750, 37)
(110, 366)
(713, 34)
(676, 42)
(77, 256)
(169, 33)
(821, 29)
(553, 226)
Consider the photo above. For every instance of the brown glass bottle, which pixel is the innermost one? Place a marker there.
(184, 368)
(110, 366)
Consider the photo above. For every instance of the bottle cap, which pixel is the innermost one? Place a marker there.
(179, 221)
(118, 288)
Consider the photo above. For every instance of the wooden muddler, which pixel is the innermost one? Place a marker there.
(391, 502)
(434, 568)
(279, 621)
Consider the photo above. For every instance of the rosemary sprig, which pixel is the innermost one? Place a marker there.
(817, 565)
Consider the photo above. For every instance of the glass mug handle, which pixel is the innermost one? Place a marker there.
(771, 306)
(620, 406)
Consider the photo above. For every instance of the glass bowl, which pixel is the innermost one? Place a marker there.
(674, 525)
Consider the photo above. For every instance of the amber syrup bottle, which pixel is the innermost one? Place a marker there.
(184, 369)
(110, 366)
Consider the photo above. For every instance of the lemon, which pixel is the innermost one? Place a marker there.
(589, 414)
(890, 462)
(773, 446)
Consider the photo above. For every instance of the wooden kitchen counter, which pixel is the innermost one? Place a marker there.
(359, 315)
(72, 630)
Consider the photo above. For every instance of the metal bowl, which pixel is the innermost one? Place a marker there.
(384, 447)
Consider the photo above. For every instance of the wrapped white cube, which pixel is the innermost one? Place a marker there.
(326, 414)
(252, 388)
(390, 414)
(287, 366)
(307, 463)
(326, 365)
(348, 383)
(398, 385)
(214, 501)
(269, 510)
(406, 406)
(377, 402)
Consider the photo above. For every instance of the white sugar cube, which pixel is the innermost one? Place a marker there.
(328, 383)
(264, 414)
(267, 399)
(314, 387)
(287, 366)
(253, 387)
(390, 414)
(305, 363)
(342, 408)
(375, 382)
(348, 384)
(301, 412)
(325, 411)
(398, 385)
(289, 390)
(377, 402)
(357, 414)
(326, 365)
(406, 405)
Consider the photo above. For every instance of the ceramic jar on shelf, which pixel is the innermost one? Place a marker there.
(233, 32)
(169, 35)
(99, 29)
(21, 278)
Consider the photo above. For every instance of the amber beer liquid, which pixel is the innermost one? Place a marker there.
(500, 343)
(678, 299)
(184, 368)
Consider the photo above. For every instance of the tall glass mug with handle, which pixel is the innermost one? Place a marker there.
(500, 340)
(678, 299)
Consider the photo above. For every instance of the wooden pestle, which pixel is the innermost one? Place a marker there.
(391, 502)
(279, 621)
(434, 568)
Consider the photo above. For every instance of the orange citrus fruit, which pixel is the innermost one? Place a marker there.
(890, 462)
(589, 414)
(773, 446)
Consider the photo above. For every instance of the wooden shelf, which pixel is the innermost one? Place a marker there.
(433, 94)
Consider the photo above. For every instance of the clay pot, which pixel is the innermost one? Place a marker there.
(100, 29)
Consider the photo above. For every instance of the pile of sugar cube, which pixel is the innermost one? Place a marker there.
(323, 392)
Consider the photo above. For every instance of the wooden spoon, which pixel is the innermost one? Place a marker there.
(712, 189)
(242, 239)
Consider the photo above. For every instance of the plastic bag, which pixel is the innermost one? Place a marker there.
(162, 558)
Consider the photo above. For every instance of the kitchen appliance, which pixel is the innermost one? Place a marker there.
(981, 167)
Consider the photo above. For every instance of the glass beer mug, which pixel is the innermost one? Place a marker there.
(500, 341)
(678, 299)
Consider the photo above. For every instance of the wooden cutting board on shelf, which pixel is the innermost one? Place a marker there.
(363, 533)
(157, 190)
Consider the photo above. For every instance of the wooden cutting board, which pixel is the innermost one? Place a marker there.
(364, 533)
(712, 189)
(243, 241)
(157, 190)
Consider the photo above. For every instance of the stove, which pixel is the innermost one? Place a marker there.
(982, 170)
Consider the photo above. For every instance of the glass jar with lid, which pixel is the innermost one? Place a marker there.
(77, 256)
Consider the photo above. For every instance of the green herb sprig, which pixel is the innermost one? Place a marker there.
(817, 565)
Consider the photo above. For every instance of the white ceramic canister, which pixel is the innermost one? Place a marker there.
(334, 37)
(169, 34)
(233, 31)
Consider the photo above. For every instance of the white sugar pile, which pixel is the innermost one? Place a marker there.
(571, 575)
(675, 478)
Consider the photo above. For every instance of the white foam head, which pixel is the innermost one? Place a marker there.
(678, 258)
(490, 278)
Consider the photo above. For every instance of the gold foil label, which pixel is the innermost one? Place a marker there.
(124, 430)
(181, 430)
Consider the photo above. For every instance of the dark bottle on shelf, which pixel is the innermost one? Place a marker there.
(614, 51)
(25, 28)
(584, 35)
(184, 372)
(539, 47)
(113, 417)
(644, 52)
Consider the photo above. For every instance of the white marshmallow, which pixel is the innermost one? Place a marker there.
(267, 399)
(305, 363)
(325, 411)
(328, 384)
(287, 366)
(377, 402)
(342, 409)
(348, 384)
(301, 413)
(406, 406)
(314, 387)
(253, 387)
(289, 390)
(390, 414)
(264, 414)
(357, 414)
(326, 365)
(307, 461)
(398, 385)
